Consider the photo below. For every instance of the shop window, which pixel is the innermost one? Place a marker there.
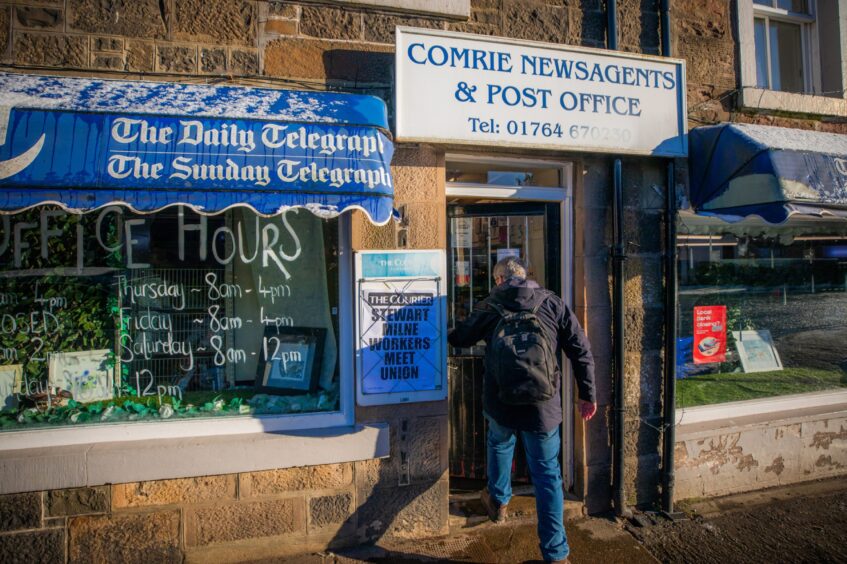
(114, 317)
(761, 309)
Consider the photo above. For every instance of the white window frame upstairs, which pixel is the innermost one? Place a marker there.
(809, 41)
(810, 102)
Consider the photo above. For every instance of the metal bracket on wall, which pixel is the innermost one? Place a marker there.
(403, 478)
(401, 231)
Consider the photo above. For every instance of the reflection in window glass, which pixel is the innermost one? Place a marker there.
(786, 57)
(115, 317)
(799, 6)
(784, 290)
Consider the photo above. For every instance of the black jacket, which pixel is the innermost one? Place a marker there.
(560, 327)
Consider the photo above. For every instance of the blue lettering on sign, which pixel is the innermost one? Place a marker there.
(532, 65)
(459, 57)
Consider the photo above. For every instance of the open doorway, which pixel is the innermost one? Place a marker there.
(498, 208)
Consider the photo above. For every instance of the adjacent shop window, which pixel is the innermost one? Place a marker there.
(761, 309)
(113, 316)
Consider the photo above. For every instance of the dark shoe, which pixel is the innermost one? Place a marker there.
(565, 561)
(496, 513)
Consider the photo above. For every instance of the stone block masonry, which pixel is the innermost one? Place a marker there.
(319, 45)
(759, 454)
(282, 510)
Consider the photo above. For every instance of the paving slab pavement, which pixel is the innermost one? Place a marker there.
(799, 523)
(592, 541)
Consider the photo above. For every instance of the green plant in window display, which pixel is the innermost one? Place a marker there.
(55, 311)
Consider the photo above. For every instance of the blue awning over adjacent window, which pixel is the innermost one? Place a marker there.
(738, 170)
(84, 144)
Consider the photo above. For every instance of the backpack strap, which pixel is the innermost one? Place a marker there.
(501, 311)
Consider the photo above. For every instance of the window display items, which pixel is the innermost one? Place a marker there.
(290, 359)
(114, 316)
(756, 351)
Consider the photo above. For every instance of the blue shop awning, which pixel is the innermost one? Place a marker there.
(738, 170)
(84, 144)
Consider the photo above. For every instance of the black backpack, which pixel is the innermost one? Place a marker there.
(520, 358)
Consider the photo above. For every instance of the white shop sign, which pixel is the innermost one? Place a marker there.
(477, 90)
(400, 327)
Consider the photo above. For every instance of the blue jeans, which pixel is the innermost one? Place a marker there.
(542, 456)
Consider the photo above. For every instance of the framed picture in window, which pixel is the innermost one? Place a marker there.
(87, 375)
(290, 359)
(756, 351)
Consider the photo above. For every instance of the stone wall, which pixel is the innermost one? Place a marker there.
(743, 457)
(313, 45)
(593, 307)
(644, 185)
(212, 518)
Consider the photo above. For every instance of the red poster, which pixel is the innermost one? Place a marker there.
(709, 334)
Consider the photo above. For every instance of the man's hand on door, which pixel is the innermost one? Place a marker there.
(587, 409)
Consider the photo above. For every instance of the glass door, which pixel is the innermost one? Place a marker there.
(479, 236)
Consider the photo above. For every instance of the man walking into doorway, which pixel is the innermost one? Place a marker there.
(524, 327)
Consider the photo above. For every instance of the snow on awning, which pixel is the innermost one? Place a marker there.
(738, 170)
(85, 143)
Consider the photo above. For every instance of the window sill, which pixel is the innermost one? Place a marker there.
(766, 410)
(48, 468)
(759, 99)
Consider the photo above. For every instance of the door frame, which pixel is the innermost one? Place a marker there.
(564, 197)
